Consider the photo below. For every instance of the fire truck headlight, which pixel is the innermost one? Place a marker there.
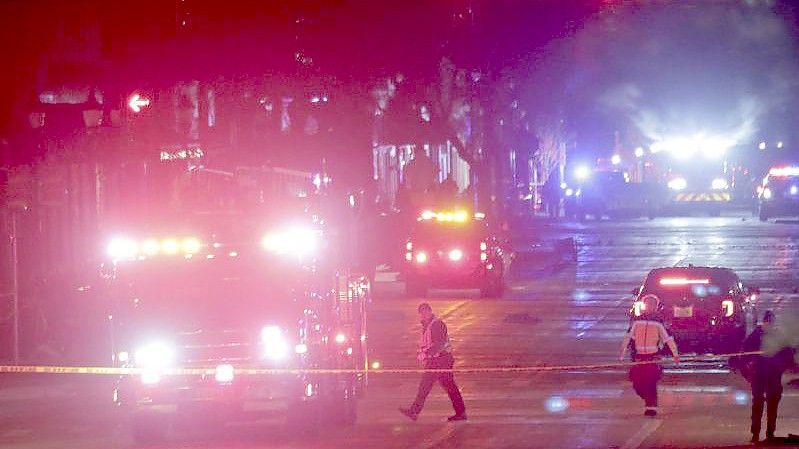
(719, 184)
(274, 343)
(678, 184)
(122, 248)
(455, 255)
(299, 242)
(224, 373)
(582, 172)
(155, 355)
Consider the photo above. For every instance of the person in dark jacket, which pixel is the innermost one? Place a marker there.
(435, 352)
(764, 372)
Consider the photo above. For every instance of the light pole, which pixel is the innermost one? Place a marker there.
(15, 284)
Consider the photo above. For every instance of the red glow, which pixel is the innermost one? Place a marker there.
(683, 281)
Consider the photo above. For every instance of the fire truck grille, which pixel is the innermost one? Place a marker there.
(205, 348)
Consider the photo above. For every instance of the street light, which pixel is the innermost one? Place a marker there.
(639, 152)
(615, 159)
(762, 145)
(779, 144)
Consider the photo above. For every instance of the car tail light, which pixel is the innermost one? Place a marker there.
(728, 307)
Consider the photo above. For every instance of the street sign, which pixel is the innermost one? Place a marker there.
(137, 102)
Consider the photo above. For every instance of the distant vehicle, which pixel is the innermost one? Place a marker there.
(454, 249)
(698, 191)
(695, 172)
(779, 194)
(611, 194)
(241, 291)
(707, 309)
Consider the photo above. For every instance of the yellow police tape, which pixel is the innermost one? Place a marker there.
(128, 371)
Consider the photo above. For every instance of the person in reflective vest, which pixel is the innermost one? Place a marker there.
(648, 335)
(435, 352)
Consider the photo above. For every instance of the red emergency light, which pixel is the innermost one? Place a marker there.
(784, 171)
(683, 281)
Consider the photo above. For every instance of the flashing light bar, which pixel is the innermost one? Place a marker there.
(458, 216)
(678, 184)
(784, 171)
(683, 281)
(123, 248)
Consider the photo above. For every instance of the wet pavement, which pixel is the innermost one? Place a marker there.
(553, 312)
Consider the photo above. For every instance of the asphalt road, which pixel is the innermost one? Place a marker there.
(570, 313)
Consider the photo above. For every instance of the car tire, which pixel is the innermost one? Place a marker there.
(149, 428)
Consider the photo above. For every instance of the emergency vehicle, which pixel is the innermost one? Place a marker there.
(695, 172)
(707, 309)
(779, 193)
(610, 193)
(227, 289)
(454, 249)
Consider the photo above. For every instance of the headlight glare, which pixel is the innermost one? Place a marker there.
(274, 343)
(155, 355)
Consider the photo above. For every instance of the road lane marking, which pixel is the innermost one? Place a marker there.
(642, 434)
(438, 436)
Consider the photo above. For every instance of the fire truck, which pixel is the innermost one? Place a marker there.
(238, 271)
(695, 171)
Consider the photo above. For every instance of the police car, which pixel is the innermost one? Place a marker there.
(779, 194)
(454, 249)
(707, 309)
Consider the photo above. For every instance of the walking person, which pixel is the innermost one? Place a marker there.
(435, 353)
(648, 335)
(764, 373)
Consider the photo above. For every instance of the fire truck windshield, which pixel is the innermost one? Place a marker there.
(184, 293)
